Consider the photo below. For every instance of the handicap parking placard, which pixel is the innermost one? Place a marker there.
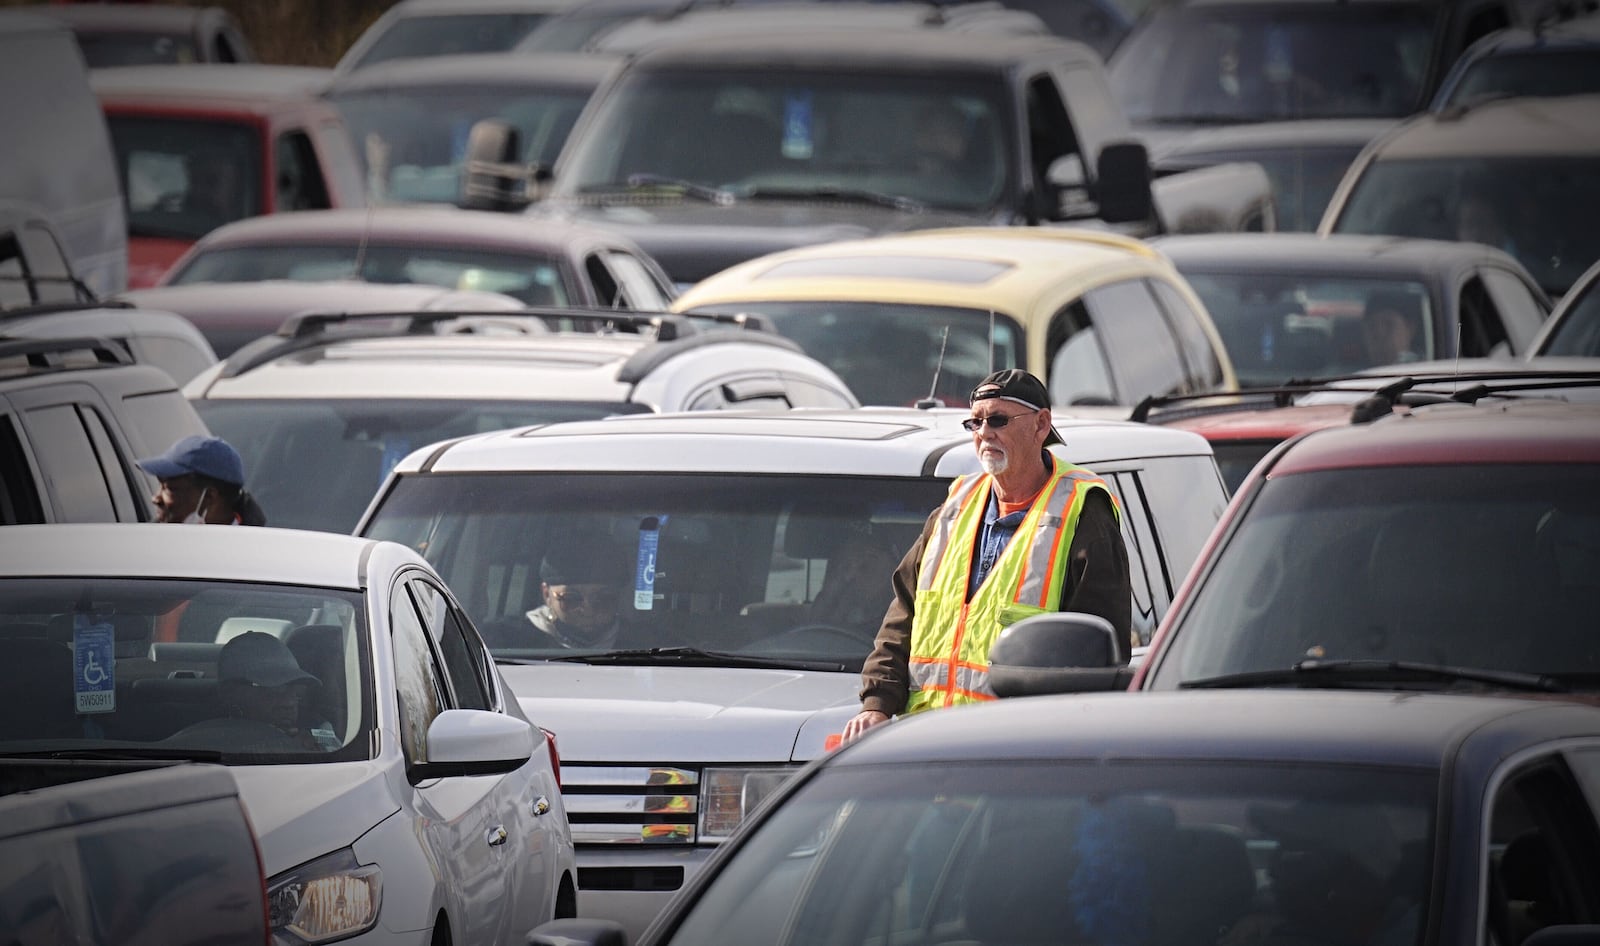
(94, 686)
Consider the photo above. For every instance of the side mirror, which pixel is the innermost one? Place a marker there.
(1123, 180)
(1069, 652)
(578, 932)
(494, 177)
(474, 742)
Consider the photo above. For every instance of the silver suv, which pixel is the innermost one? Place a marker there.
(752, 556)
(322, 410)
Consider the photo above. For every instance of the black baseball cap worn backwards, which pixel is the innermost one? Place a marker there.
(1015, 384)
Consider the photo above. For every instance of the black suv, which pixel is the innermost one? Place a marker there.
(75, 413)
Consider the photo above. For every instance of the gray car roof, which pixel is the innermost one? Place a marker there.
(868, 50)
(1339, 254)
(546, 70)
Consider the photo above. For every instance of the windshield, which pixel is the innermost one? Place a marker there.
(186, 178)
(939, 141)
(1541, 72)
(1040, 851)
(532, 279)
(316, 463)
(940, 350)
(414, 141)
(144, 667)
(1214, 63)
(1282, 327)
(1537, 209)
(103, 49)
(1578, 331)
(760, 566)
(1470, 565)
(415, 36)
(1303, 179)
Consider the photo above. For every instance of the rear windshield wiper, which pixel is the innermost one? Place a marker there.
(694, 657)
(851, 194)
(1315, 673)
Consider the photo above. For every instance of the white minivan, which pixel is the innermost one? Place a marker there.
(754, 554)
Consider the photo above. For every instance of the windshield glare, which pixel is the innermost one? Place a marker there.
(1490, 566)
(533, 280)
(1090, 854)
(1536, 209)
(414, 142)
(316, 464)
(1282, 327)
(942, 143)
(761, 566)
(1248, 63)
(155, 672)
(938, 350)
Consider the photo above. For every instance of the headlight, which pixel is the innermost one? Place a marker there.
(328, 899)
(728, 796)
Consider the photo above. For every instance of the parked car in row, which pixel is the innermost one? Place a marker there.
(1517, 174)
(1539, 59)
(1337, 818)
(165, 340)
(547, 263)
(231, 315)
(129, 34)
(415, 28)
(1102, 318)
(749, 556)
(713, 150)
(398, 792)
(1299, 306)
(75, 415)
(203, 144)
(411, 118)
(323, 410)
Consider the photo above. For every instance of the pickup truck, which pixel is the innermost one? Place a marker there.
(715, 148)
(115, 851)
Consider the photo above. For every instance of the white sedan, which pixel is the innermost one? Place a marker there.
(398, 793)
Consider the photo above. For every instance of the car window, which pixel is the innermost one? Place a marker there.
(183, 178)
(1200, 358)
(1520, 310)
(1184, 507)
(1051, 135)
(61, 443)
(481, 32)
(417, 681)
(1545, 70)
(1482, 331)
(113, 466)
(461, 667)
(299, 181)
(1079, 370)
(1045, 851)
(1578, 332)
(1145, 572)
(19, 494)
(158, 420)
(1389, 563)
(1142, 352)
(640, 290)
(1542, 841)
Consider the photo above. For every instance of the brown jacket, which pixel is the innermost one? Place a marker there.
(1097, 583)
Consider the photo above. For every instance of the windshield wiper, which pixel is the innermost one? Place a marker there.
(121, 754)
(693, 656)
(1315, 673)
(851, 194)
(703, 192)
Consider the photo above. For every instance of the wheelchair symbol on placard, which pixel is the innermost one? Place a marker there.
(93, 673)
(650, 571)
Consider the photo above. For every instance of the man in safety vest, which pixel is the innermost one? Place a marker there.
(1031, 534)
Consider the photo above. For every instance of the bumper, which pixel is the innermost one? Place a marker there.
(632, 885)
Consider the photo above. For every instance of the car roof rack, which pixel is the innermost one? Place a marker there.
(86, 299)
(54, 354)
(312, 329)
(1471, 388)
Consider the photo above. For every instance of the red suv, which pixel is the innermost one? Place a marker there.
(1454, 545)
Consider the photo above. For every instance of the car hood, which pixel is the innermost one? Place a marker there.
(684, 714)
(301, 812)
(692, 240)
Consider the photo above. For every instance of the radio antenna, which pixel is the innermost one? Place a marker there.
(361, 248)
(991, 341)
(931, 401)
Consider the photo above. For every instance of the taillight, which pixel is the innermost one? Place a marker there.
(555, 753)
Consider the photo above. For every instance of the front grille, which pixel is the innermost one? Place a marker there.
(631, 804)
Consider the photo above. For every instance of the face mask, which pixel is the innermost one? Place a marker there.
(194, 518)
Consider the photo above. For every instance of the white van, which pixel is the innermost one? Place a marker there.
(59, 191)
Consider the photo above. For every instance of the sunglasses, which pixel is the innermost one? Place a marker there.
(995, 421)
(595, 601)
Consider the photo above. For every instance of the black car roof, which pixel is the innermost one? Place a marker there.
(1419, 730)
(912, 49)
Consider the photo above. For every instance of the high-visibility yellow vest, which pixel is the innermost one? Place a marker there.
(951, 636)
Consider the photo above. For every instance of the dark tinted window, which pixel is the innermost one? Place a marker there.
(298, 182)
(19, 495)
(71, 466)
(416, 676)
(182, 178)
(1544, 72)
(1142, 351)
(1469, 565)
(460, 666)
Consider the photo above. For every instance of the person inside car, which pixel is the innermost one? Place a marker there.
(262, 691)
(202, 481)
(1389, 327)
(580, 590)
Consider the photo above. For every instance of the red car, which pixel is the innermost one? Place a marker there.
(203, 144)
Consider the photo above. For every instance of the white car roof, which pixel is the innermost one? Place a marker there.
(218, 553)
(861, 442)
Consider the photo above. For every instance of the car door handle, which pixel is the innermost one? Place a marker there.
(496, 835)
(540, 806)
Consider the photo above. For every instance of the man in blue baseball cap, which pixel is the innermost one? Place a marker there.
(202, 481)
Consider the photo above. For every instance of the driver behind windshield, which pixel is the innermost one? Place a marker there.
(580, 585)
(259, 679)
